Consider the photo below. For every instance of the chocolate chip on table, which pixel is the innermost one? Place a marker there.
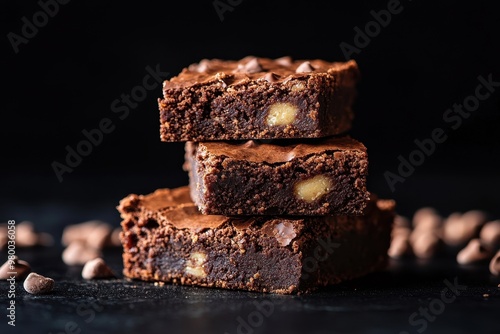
(424, 244)
(79, 232)
(475, 217)
(97, 268)
(400, 246)
(20, 269)
(490, 233)
(37, 284)
(423, 214)
(78, 253)
(26, 235)
(99, 237)
(115, 240)
(475, 251)
(494, 265)
(458, 228)
(96, 233)
(400, 234)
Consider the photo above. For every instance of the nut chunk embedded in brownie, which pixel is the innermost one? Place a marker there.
(307, 177)
(258, 98)
(175, 243)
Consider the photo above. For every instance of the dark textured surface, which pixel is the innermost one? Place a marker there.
(377, 303)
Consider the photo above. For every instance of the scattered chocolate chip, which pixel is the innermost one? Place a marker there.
(78, 253)
(475, 217)
(458, 230)
(401, 231)
(26, 235)
(37, 284)
(423, 213)
(97, 268)
(473, 252)
(401, 221)
(99, 237)
(424, 245)
(430, 222)
(399, 247)
(95, 233)
(14, 267)
(79, 232)
(115, 240)
(490, 233)
(304, 67)
(495, 265)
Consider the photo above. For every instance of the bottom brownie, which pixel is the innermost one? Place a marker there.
(165, 238)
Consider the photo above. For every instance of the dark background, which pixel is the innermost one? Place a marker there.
(65, 78)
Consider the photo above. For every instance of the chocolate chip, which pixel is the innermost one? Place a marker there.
(79, 232)
(37, 284)
(115, 240)
(95, 233)
(473, 252)
(475, 217)
(14, 267)
(251, 66)
(459, 229)
(401, 231)
(97, 268)
(422, 214)
(200, 67)
(100, 236)
(490, 233)
(250, 144)
(304, 67)
(429, 223)
(26, 235)
(284, 61)
(425, 245)
(78, 253)
(401, 221)
(399, 247)
(271, 77)
(495, 265)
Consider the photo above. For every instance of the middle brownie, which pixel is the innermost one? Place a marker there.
(308, 177)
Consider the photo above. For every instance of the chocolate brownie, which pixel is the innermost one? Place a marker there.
(258, 98)
(169, 240)
(314, 177)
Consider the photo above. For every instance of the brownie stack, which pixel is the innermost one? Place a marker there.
(277, 199)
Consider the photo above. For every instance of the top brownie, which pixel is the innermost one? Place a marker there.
(258, 98)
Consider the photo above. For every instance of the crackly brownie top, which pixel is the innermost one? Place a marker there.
(279, 151)
(250, 68)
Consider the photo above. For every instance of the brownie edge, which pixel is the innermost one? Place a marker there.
(315, 177)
